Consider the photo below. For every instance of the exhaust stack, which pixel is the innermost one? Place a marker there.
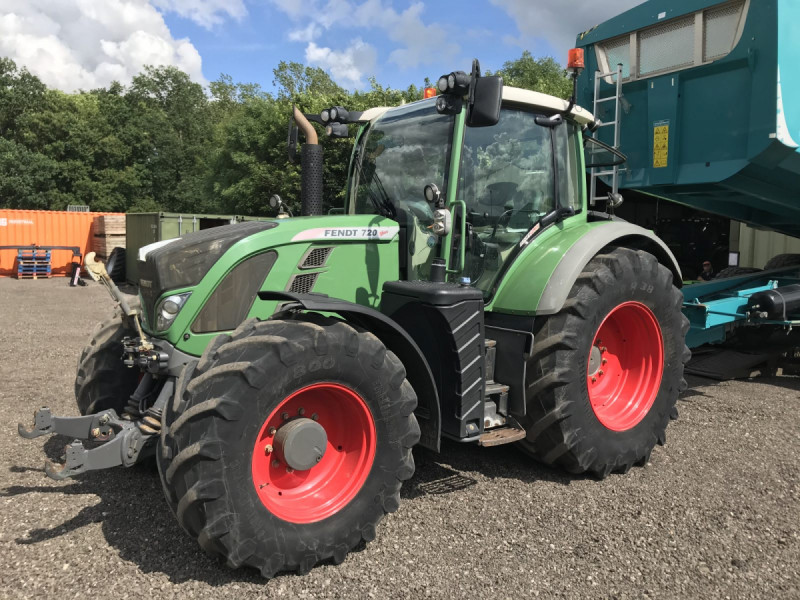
(311, 168)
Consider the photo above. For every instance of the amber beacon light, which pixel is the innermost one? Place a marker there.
(575, 59)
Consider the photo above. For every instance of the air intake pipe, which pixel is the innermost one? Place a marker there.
(310, 168)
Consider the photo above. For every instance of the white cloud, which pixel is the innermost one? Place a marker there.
(84, 44)
(415, 39)
(309, 34)
(205, 13)
(348, 66)
(547, 20)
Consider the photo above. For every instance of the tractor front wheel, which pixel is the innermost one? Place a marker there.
(606, 371)
(287, 443)
(102, 380)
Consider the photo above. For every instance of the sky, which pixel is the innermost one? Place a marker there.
(85, 44)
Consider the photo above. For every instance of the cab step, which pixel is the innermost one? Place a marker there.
(512, 432)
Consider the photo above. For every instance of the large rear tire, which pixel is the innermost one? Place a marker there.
(782, 260)
(224, 455)
(736, 272)
(102, 380)
(605, 372)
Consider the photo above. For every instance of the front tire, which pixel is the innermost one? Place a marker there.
(227, 477)
(102, 380)
(605, 372)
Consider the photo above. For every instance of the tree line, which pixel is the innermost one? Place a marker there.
(163, 143)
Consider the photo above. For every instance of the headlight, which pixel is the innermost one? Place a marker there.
(168, 309)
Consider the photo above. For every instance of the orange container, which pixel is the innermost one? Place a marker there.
(45, 228)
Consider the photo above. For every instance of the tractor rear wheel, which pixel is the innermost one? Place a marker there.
(736, 272)
(782, 260)
(605, 372)
(102, 380)
(288, 442)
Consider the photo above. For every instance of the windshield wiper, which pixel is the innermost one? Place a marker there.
(378, 196)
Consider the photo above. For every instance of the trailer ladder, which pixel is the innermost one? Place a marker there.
(616, 77)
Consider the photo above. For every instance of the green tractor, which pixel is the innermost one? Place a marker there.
(281, 371)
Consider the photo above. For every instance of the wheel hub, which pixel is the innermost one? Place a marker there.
(305, 470)
(595, 360)
(301, 443)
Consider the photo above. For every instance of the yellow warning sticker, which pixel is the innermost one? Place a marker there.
(660, 144)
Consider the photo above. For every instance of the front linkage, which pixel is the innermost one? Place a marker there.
(123, 439)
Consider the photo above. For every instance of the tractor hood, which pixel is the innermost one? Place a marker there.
(219, 271)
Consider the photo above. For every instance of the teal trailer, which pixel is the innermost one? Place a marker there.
(704, 99)
(709, 111)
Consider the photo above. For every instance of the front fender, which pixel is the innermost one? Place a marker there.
(396, 339)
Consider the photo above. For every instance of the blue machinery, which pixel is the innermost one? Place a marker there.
(716, 308)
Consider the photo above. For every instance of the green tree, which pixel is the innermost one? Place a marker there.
(172, 111)
(543, 75)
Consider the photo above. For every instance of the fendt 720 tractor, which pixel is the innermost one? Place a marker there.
(281, 371)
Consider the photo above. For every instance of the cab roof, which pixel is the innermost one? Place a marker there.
(514, 96)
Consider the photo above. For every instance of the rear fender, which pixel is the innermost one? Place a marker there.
(613, 233)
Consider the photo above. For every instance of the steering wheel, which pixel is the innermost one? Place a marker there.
(505, 215)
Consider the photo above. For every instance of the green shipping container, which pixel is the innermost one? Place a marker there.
(146, 228)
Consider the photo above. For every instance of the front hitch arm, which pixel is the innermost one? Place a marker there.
(123, 441)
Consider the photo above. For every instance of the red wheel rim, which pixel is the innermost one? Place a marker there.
(324, 489)
(626, 362)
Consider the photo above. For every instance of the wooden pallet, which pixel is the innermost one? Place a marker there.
(33, 275)
(110, 225)
(103, 245)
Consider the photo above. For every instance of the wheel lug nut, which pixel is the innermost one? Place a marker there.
(285, 416)
(600, 372)
(603, 349)
(276, 463)
(315, 417)
(594, 379)
(301, 411)
(272, 431)
(289, 470)
(268, 449)
(604, 361)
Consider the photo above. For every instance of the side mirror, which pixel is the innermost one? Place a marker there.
(337, 130)
(485, 110)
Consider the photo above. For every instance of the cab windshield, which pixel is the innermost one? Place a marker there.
(398, 155)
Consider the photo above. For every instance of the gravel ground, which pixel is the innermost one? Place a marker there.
(715, 514)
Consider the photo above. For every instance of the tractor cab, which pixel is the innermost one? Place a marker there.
(499, 180)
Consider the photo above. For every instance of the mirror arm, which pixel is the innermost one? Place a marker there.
(574, 96)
